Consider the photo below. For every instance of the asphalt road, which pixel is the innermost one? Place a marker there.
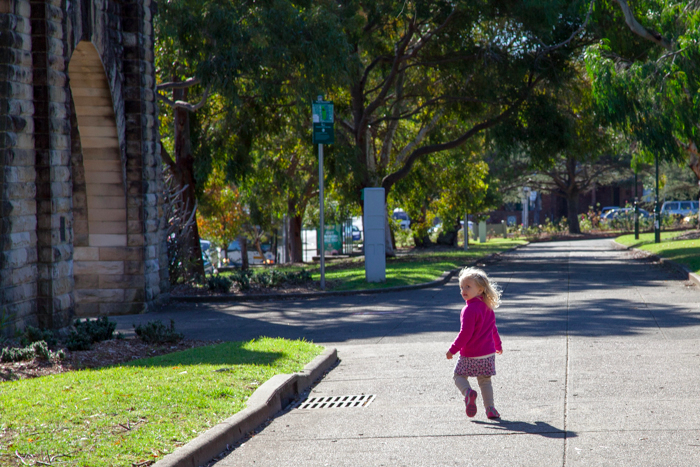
(600, 368)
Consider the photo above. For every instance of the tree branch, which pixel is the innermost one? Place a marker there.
(186, 105)
(166, 157)
(640, 30)
(178, 84)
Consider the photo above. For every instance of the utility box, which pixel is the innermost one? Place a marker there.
(374, 225)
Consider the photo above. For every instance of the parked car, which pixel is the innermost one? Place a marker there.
(624, 214)
(400, 215)
(679, 208)
(233, 253)
(629, 212)
(606, 216)
(438, 227)
(607, 209)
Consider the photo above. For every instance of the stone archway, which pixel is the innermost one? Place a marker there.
(103, 285)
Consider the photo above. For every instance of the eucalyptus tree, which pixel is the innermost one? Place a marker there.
(446, 185)
(252, 58)
(646, 75)
(425, 77)
(566, 148)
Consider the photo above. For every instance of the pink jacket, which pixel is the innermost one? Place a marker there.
(478, 335)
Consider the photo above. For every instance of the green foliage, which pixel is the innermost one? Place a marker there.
(87, 332)
(218, 283)
(155, 332)
(268, 278)
(32, 334)
(38, 349)
(649, 92)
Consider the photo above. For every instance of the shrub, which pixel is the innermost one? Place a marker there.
(32, 334)
(219, 283)
(85, 333)
(241, 279)
(35, 350)
(155, 332)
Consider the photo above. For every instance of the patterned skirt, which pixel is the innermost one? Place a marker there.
(476, 366)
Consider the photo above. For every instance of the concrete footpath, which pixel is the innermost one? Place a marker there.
(600, 368)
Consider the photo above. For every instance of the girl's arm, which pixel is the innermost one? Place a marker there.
(465, 332)
(497, 340)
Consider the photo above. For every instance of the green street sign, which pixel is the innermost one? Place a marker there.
(322, 116)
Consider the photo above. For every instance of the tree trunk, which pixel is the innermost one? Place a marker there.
(422, 242)
(694, 164)
(243, 242)
(572, 209)
(184, 174)
(296, 246)
(449, 236)
(388, 234)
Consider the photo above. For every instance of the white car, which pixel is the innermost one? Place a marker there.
(400, 215)
(233, 253)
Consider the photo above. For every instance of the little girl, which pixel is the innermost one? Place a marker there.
(478, 341)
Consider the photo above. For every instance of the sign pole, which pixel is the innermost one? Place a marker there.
(323, 222)
(322, 124)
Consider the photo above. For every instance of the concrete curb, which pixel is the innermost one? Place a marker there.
(444, 278)
(677, 266)
(267, 400)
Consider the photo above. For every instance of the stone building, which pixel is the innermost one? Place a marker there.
(82, 231)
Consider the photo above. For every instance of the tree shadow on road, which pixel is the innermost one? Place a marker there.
(538, 428)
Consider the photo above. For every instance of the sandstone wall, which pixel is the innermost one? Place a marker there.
(62, 252)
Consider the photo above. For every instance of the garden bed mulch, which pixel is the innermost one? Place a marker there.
(105, 353)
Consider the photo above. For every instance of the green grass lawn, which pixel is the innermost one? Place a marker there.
(139, 411)
(686, 252)
(411, 269)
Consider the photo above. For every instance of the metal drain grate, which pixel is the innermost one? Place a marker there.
(337, 402)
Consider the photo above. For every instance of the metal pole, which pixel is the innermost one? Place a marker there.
(657, 214)
(636, 209)
(465, 229)
(323, 222)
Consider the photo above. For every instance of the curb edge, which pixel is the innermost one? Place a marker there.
(271, 397)
(691, 276)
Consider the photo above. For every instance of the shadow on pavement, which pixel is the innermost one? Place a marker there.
(538, 428)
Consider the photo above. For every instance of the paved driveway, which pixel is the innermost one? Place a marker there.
(600, 368)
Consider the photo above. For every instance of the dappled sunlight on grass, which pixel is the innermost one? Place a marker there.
(141, 411)
(686, 252)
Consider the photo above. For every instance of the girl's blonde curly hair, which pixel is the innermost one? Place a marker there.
(491, 294)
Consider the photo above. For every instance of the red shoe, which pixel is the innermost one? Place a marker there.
(492, 413)
(470, 402)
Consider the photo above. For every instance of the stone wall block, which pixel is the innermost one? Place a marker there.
(98, 268)
(24, 275)
(21, 292)
(21, 190)
(135, 240)
(99, 295)
(22, 224)
(17, 157)
(115, 309)
(14, 90)
(87, 310)
(134, 295)
(87, 281)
